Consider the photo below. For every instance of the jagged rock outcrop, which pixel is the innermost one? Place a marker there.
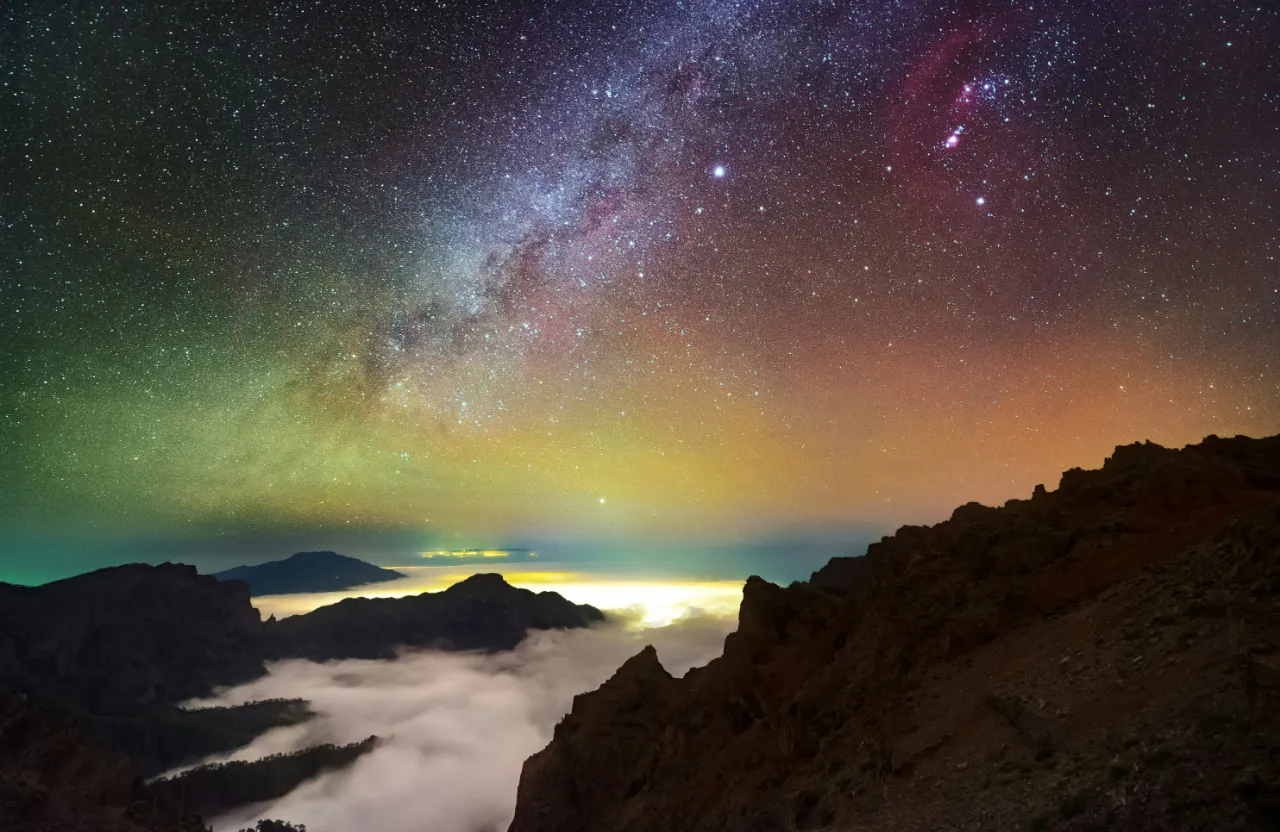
(483, 612)
(128, 637)
(308, 572)
(1102, 656)
(615, 740)
(118, 648)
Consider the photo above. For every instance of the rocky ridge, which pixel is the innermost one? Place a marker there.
(96, 665)
(483, 612)
(1102, 656)
(53, 780)
(128, 636)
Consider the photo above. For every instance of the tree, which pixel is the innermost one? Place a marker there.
(268, 825)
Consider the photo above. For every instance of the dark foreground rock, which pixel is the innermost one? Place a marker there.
(128, 636)
(1105, 656)
(308, 572)
(52, 780)
(483, 612)
(116, 649)
(160, 738)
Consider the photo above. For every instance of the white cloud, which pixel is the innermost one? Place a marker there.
(456, 727)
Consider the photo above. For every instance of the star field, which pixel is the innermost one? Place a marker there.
(476, 270)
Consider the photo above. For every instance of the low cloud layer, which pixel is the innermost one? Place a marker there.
(654, 602)
(456, 728)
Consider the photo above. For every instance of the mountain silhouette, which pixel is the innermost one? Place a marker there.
(308, 572)
(1105, 655)
(483, 612)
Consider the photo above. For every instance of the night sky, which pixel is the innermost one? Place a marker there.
(476, 272)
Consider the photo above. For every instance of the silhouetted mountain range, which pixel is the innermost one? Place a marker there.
(308, 572)
(1102, 656)
(483, 612)
(100, 662)
(124, 640)
(129, 636)
(1105, 656)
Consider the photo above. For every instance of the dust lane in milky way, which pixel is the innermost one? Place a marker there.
(626, 268)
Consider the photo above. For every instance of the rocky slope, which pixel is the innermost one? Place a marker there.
(308, 572)
(116, 649)
(128, 636)
(1103, 656)
(52, 780)
(483, 612)
(95, 665)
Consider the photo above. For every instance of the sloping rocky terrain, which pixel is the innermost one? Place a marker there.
(93, 668)
(1105, 656)
(53, 780)
(118, 648)
(128, 636)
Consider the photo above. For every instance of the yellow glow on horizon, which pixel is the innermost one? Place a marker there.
(469, 553)
(651, 603)
(641, 602)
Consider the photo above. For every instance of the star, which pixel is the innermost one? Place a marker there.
(480, 276)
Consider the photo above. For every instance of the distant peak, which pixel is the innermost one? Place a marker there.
(322, 555)
(323, 571)
(482, 581)
(485, 578)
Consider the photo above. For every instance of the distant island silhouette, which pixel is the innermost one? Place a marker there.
(308, 572)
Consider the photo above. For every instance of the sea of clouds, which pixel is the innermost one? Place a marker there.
(455, 727)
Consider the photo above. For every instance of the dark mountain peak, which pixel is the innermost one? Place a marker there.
(129, 635)
(765, 607)
(130, 575)
(1011, 667)
(483, 583)
(642, 667)
(971, 512)
(1136, 454)
(323, 556)
(323, 571)
(1092, 500)
(482, 612)
(639, 685)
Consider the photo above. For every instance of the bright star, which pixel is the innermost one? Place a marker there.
(982, 200)
(718, 172)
